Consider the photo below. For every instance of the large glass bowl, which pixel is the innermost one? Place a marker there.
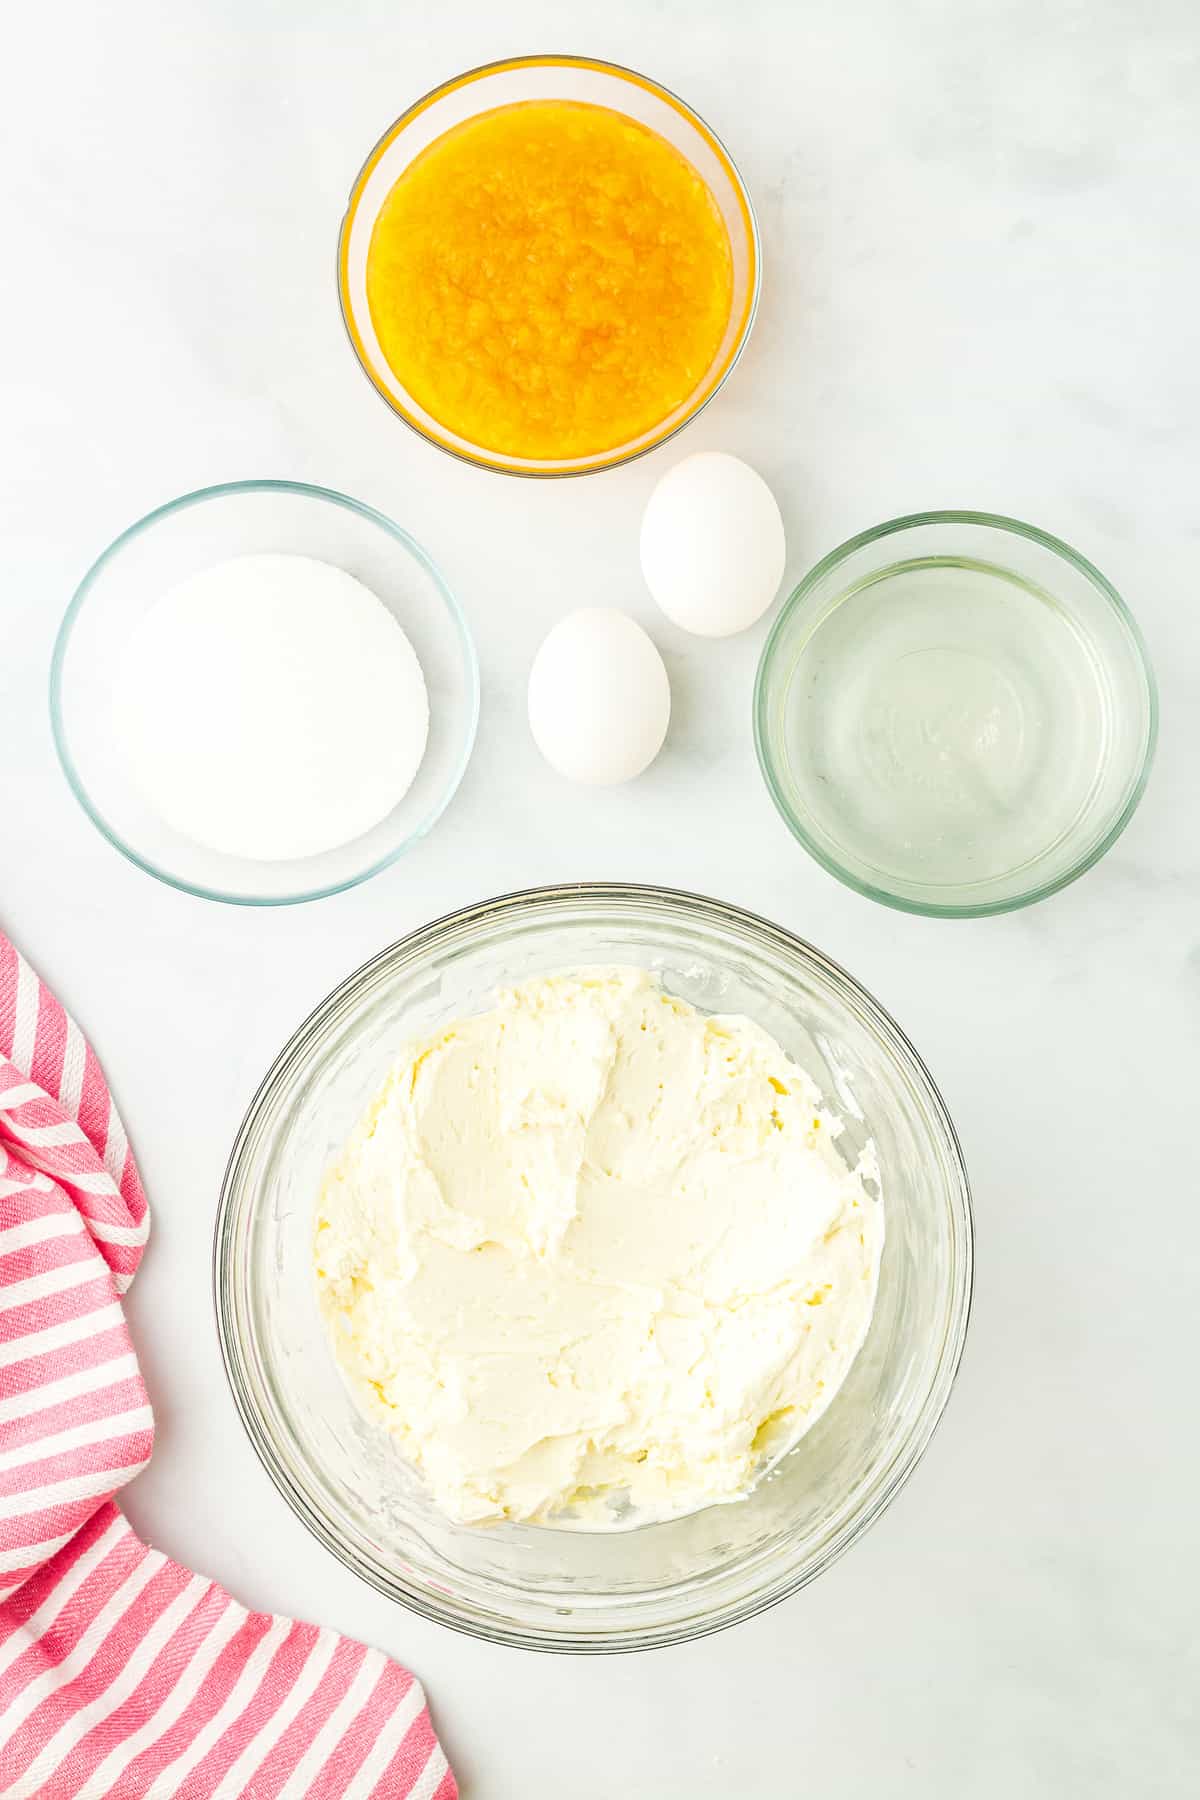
(558, 1589)
(522, 78)
(242, 518)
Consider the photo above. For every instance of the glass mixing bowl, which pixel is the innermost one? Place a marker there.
(955, 714)
(523, 78)
(242, 518)
(559, 1589)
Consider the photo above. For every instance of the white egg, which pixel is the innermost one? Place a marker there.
(713, 548)
(599, 698)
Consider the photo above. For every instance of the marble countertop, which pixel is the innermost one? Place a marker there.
(981, 283)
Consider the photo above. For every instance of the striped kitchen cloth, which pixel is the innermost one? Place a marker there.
(121, 1673)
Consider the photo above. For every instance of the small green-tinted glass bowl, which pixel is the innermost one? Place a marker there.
(955, 714)
(195, 532)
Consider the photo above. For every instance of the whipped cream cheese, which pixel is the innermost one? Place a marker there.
(593, 1250)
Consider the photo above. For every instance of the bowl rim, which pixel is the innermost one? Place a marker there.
(225, 490)
(495, 1627)
(767, 762)
(485, 459)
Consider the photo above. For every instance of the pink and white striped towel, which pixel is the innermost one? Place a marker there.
(121, 1673)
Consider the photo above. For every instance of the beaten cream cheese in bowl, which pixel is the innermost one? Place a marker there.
(690, 1567)
(595, 1257)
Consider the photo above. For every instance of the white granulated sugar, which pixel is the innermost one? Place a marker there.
(271, 707)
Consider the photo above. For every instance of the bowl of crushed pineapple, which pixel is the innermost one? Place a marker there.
(548, 266)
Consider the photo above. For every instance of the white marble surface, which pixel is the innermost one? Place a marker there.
(981, 291)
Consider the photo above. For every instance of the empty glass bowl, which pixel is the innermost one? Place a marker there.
(523, 78)
(193, 533)
(955, 714)
(560, 1589)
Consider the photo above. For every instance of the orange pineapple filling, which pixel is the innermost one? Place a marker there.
(550, 280)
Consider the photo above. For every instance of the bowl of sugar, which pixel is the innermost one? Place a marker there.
(263, 693)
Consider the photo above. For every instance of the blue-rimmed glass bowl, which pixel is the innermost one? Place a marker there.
(193, 533)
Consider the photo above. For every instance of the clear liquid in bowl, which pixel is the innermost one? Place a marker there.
(945, 722)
